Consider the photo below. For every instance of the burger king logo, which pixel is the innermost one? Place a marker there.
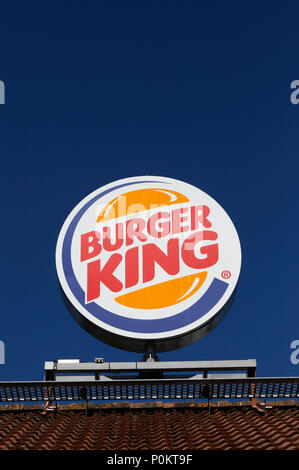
(148, 260)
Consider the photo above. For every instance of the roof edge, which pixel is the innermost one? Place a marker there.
(147, 405)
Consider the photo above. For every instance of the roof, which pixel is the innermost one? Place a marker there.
(151, 426)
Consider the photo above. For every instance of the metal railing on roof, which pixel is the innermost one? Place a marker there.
(151, 389)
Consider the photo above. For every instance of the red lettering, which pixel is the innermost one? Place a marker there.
(96, 275)
(211, 251)
(90, 240)
(163, 226)
(199, 214)
(132, 267)
(134, 229)
(119, 232)
(169, 262)
(178, 219)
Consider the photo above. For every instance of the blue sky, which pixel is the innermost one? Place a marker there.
(98, 91)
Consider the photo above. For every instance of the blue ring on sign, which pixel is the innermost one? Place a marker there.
(210, 298)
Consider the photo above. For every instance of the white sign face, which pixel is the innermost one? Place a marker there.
(148, 260)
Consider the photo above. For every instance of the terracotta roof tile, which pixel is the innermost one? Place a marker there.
(151, 427)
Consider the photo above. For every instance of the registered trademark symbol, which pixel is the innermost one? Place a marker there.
(226, 274)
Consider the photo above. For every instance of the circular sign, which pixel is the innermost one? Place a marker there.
(148, 261)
